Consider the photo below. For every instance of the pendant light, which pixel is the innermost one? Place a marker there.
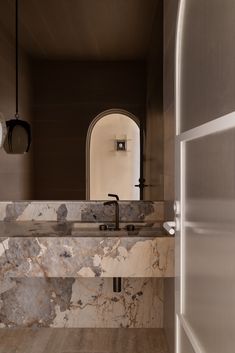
(18, 131)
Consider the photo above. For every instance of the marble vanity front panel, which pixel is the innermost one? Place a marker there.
(83, 302)
(86, 257)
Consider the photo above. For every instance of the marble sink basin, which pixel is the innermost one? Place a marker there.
(76, 229)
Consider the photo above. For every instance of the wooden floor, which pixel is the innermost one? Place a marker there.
(86, 340)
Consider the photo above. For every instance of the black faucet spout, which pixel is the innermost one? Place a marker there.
(116, 204)
(114, 195)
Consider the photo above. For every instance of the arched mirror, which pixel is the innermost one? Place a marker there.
(113, 157)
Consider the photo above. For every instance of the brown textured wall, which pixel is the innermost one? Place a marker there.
(170, 18)
(67, 97)
(160, 131)
(153, 155)
(15, 170)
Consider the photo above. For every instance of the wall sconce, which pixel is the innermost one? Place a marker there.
(121, 145)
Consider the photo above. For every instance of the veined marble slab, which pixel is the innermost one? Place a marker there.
(83, 302)
(83, 211)
(87, 257)
(55, 274)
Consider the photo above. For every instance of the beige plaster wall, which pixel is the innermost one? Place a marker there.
(113, 171)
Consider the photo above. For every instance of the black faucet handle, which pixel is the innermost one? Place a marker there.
(114, 195)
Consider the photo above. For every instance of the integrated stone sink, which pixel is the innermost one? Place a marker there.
(63, 229)
(54, 239)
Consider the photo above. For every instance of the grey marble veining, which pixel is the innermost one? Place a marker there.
(41, 239)
(83, 211)
(56, 266)
(87, 257)
(57, 218)
(57, 302)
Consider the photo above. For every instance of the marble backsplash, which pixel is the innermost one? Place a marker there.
(83, 302)
(80, 211)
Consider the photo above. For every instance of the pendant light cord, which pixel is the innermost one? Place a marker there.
(17, 57)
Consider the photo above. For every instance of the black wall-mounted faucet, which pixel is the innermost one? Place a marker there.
(114, 202)
(117, 281)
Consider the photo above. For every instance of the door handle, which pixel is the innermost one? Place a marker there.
(169, 226)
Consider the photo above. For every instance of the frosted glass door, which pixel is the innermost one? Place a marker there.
(206, 237)
(205, 190)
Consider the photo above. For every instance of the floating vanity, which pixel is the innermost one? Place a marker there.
(54, 239)
(48, 249)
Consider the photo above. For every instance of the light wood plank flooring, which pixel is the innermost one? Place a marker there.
(52, 340)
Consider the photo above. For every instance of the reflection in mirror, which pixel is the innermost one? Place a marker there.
(68, 76)
(114, 158)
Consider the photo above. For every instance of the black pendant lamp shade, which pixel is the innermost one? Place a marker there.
(18, 131)
(18, 136)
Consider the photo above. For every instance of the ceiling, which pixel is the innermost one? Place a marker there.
(87, 29)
